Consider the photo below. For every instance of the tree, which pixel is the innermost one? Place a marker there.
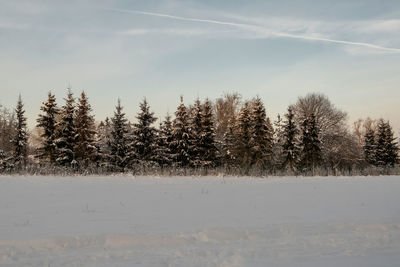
(85, 149)
(196, 129)
(66, 132)
(208, 146)
(120, 150)
(47, 121)
(163, 154)
(144, 134)
(370, 146)
(333, 131)
(310, 143)
(386, 146)
(20, 141)
(243, 146)
(7, 129)
(181, 137)
(290, 141)
(261, 136)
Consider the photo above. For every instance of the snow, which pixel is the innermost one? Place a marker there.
(202, 221)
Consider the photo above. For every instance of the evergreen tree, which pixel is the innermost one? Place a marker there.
(66, 132)
(243, 146)
(311, 151)
(47, 122)
(278, 141)
(196, 128)
(261, 136)
(229, 144)
(207, 146)
(144, 134)
(370, 146)
(20, 140)
(102, 136)
(120, 150)
(386, 146)
(85, 149)
(181, 137)
(290, 142)
(164, 138)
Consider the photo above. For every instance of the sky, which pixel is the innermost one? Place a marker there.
(277, 50)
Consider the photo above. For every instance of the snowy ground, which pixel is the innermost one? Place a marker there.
(124, 221)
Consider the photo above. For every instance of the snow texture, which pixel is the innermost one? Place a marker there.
(143, 221)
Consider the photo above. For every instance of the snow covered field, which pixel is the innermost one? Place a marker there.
(125, 221)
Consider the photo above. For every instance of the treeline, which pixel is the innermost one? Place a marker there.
(225, 136)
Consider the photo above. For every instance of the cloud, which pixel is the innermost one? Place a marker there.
(265, 32)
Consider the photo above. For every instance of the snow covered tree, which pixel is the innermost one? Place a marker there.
(196, 128)
(181, 137)
(102, 136)
(207, 146)
(47, 121)
(163, 154)
(66, 132)
(7, 129)
(20, 140)
(229, 145)
(370, 146)
(386, 146)
(290, 141)
(119, 143)
(261, 136)
(144, 134)
(310, 143)
(243, 146)
(85, 149)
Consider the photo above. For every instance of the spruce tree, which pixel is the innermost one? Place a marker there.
(163, 152)
(20, 140)
(386, 146)
(144, 134)
(102, 136)
(47, 121)
(181, 137)
(196, 128)
(119, 144)
(391, 155)
(85, 149)
(243, 144)
(290, 142)
(207, 146)
(311, 150)
(261, 136)
(370, 146)
(66, 132)
(229, 144)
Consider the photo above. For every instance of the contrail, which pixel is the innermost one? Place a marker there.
(255, 28)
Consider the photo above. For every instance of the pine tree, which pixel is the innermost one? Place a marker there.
(20, 140)
(229, 144)
(370, 146)
(163, 152)
(392, 148)
(311, 150)
(208, 147)
(85, 149)
(48, 122)
(196, 128)
(261, 136)
(386, 146)
(290, 142)
(120, 150)
(102, 136)
(144, 134)
(243, 144)
(66, 132)
(181, 137)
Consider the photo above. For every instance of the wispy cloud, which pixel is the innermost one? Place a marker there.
(265, 32)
